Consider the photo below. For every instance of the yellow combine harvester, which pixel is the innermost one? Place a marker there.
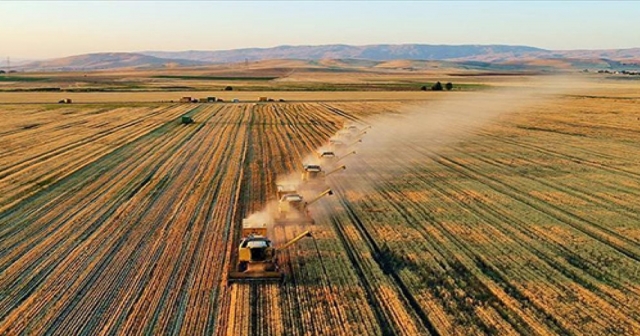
(314, 173)
(338, 146)
(293, 209)
(326, 155)
(257, 257)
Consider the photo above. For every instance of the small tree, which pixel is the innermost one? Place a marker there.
(448, 86)
(228, 88)
(437, 86)
(2, 71)
(423, 88)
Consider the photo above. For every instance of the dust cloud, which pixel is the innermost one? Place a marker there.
(389, 139)
(263, 216)
(443, 123)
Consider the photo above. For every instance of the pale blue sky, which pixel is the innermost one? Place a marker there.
(56, 29)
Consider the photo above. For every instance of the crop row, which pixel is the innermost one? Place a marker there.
(123, 221)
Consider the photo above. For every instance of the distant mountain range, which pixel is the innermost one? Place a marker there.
(377, 52)
(492, 54)
(385, 52)
(99, 61)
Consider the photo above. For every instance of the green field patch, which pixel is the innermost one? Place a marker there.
(22, 79)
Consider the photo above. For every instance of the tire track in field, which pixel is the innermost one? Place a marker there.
(192, 227)
(115, 158)
(424, 320)
(56, 170)
(573, 277)
(591, 198)
(493, 216)
(622, 244)
(451, 258)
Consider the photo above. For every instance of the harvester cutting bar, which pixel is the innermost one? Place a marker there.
(240, 277)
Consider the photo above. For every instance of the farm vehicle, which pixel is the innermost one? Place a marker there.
(293, 209)
(257, 257)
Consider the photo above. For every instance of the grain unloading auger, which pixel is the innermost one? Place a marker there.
(293, 209)
(344, 156)
(331, 157)
(257, 257)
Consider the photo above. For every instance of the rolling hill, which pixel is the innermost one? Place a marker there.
(387, 56)
(99, 61)
(377, 52)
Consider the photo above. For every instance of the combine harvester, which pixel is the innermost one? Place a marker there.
(314, 175)
(350, 133)
(257, 258)
(330, 157)
(339, 146)
(327, 155)
(293, 209)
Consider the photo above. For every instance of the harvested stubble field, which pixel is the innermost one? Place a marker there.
(120, 220)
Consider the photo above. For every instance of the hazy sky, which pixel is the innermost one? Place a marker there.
(55, 29)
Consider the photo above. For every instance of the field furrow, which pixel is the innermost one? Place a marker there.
(118, 219)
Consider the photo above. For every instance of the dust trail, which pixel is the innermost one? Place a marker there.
(263, 216)
(294, 183)
(435, 125)
(387, 139)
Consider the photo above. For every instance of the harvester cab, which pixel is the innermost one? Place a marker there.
(336, 144)
(284, 189)
(344, 134)
(293, 209)
(257, 257)
(326, 155)
(312, 173)
(353, 129)
(289, 205)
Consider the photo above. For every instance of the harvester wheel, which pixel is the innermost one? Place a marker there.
(242, 266)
